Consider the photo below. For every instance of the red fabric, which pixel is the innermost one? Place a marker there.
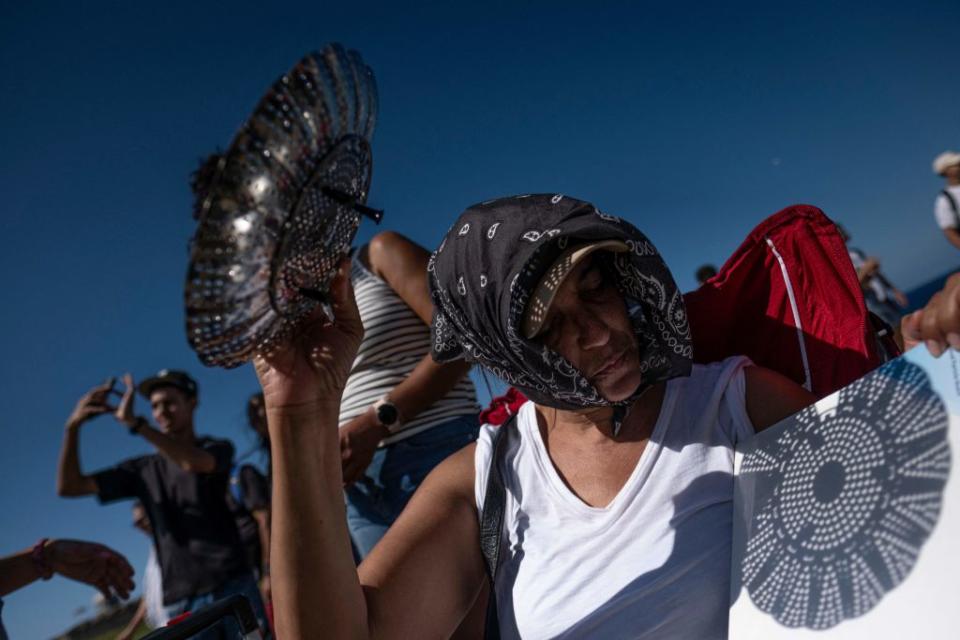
(502, 407)
(745, 309)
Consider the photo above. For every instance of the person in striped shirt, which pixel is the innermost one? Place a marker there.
(401, 412)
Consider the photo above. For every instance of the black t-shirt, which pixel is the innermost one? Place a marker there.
(198, 546)
(251, 493)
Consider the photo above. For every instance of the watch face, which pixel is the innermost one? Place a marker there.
(387, 414)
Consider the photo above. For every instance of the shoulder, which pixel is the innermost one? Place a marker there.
(390, 250)
(452, 479)
(771, 397)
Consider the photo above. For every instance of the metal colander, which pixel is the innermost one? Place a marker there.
(282, 209)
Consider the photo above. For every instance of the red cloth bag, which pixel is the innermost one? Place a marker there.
(788, 298)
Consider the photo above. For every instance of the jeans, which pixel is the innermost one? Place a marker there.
(397, 469)
(226, 629)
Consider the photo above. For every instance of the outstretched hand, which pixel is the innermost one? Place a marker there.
(93, 403)
(93, 564)
(310, 369)
(124, 412)
(938, 323)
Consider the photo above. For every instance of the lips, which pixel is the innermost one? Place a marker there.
(610, 365)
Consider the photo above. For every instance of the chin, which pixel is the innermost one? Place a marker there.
(621, 387)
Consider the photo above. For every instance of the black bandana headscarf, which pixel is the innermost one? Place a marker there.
(489, 263)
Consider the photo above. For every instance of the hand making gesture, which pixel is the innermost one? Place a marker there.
(93, 403)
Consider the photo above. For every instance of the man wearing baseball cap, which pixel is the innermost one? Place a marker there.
(947, 207)
(183, 488)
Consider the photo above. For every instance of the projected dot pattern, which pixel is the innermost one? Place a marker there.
(849, 499)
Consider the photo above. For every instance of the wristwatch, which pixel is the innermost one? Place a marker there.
(387, 413)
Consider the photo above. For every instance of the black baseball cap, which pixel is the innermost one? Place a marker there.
(168, 378)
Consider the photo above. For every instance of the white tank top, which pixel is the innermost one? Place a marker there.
(655, 562)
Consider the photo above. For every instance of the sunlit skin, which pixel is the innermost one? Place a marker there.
(587, 323)
(172, 410)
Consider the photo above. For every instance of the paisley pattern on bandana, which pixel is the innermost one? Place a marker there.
(481, 283)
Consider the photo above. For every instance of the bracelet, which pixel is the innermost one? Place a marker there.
(39, 559)
(138, 424)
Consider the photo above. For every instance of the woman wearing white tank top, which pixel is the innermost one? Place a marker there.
(618, 474)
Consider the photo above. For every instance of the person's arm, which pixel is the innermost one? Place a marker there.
(187, 455)
(771, 397)
(422, 578)
(953, 236)
(71, 481)
(938, 323)
(402, 264)
(86, 562)
(138, 617)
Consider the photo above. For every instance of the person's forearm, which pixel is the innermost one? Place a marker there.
(262, 516)
(313, 576)
(427, 383)
(17, 571)
(186, 455)
(953, 235)
(70, 479)
(135, 621)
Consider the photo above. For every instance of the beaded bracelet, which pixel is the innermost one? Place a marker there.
(39, 559)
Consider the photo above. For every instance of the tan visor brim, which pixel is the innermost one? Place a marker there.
(550, 283)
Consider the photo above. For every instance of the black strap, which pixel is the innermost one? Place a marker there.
(953, 205)
(491, 524)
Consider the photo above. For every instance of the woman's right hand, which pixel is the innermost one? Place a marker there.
(310, 369)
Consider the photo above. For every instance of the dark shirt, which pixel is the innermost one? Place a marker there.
(198, 546)
(249, 492)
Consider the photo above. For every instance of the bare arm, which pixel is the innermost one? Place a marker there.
(262, 516)
(71, 481)
(771, 397)
(86, 562)
(188, 456)
(402, 264)
(138, 617)
(953, 236)
(426, 571)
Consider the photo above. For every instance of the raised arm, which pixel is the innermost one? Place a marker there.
(71, 481)
(402, 264)
(187, 455)
(427, 570)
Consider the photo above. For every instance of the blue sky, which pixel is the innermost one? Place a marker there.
(694, 122)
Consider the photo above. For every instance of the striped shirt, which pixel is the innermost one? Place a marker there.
(395, 340)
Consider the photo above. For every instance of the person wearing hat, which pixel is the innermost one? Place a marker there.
(577, 310)
(183, 489)
(946, 209)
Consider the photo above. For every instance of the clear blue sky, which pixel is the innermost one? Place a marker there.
(694, 123)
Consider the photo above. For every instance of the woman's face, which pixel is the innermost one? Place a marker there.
(587, 324)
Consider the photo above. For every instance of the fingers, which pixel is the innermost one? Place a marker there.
(938, 324)
(128, 382)
(344, 302)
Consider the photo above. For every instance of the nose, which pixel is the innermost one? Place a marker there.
(592, 331)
